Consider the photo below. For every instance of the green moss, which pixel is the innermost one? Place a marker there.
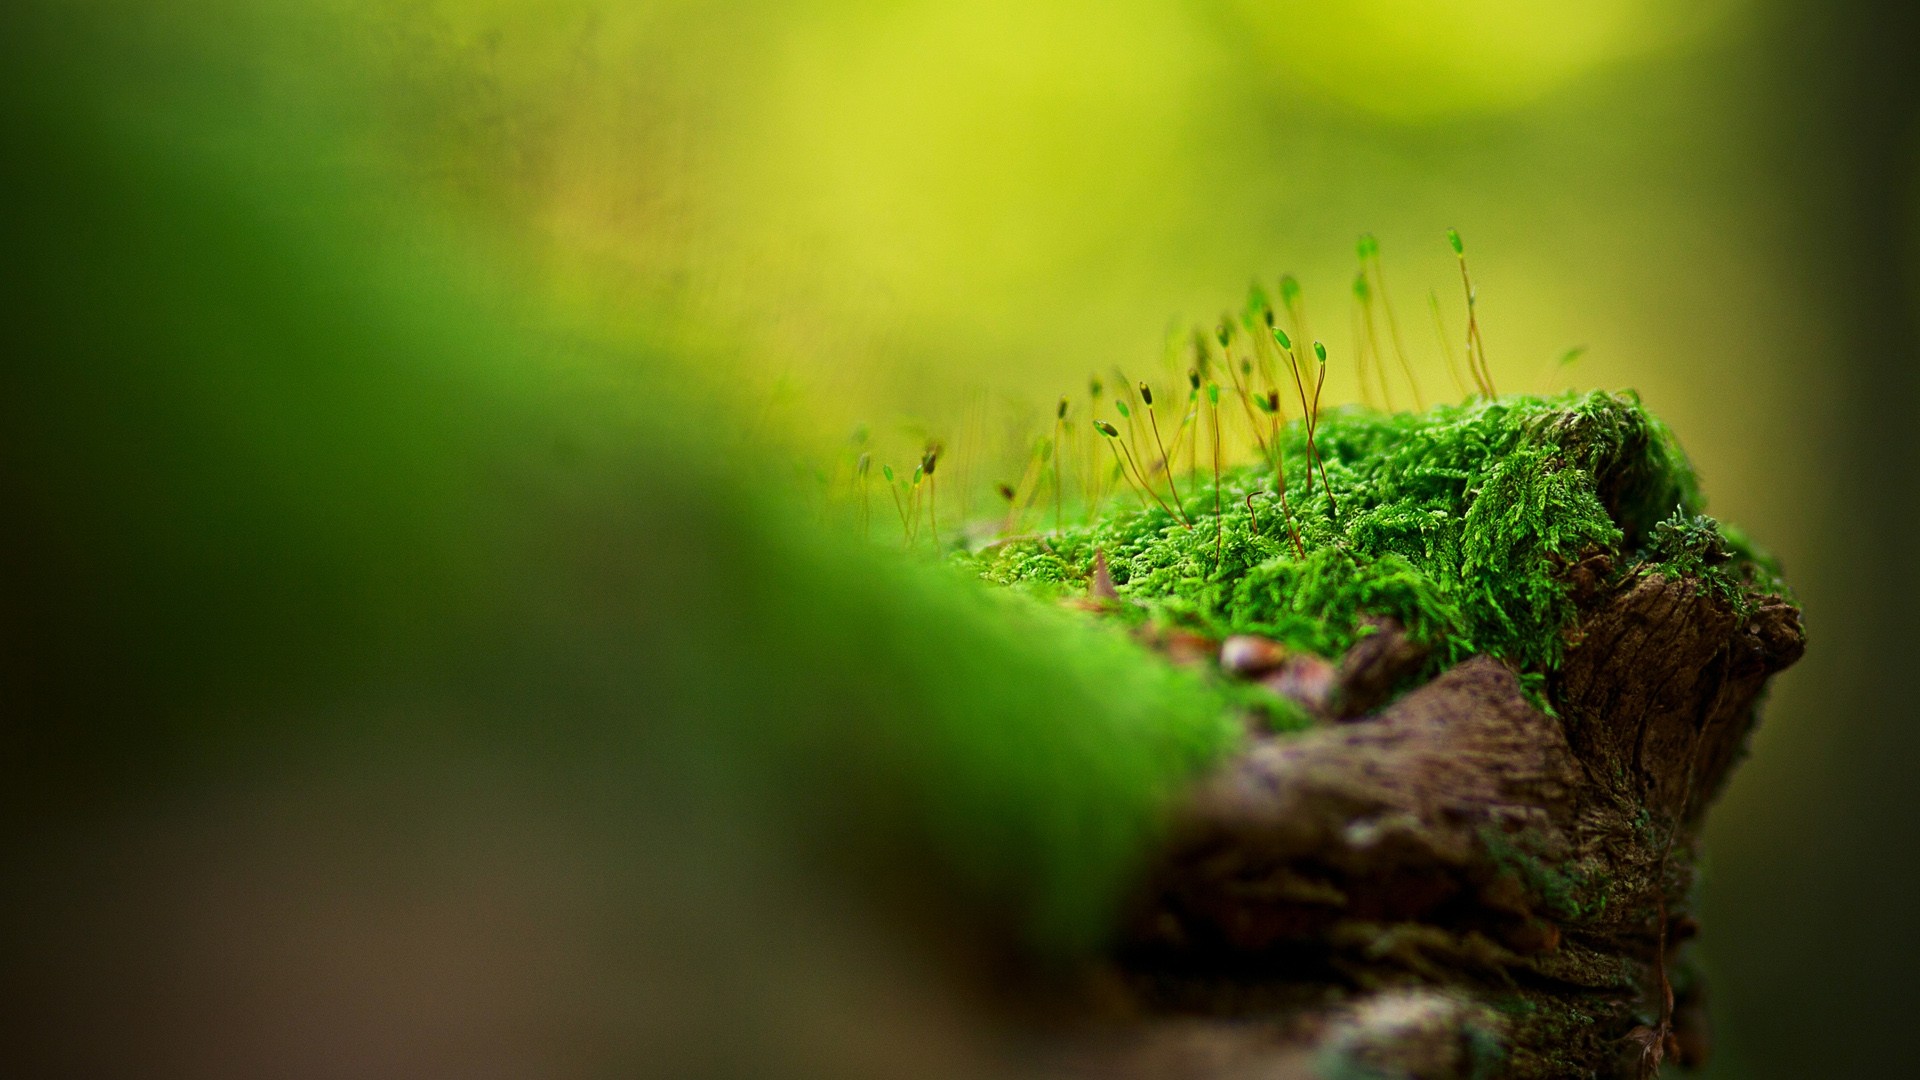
(1719, 558)
(488, 565)
(1461, 522)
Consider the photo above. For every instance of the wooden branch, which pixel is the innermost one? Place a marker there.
(1460, 885)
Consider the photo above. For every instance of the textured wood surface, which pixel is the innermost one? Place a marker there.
(1458, 884)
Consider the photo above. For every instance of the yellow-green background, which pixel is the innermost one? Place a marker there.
(909, 213)
(892, 209)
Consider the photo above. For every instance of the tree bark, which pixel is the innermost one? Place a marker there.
(1458, 885)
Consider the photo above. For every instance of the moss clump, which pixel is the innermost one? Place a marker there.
(1464, 523)
(1717, 556)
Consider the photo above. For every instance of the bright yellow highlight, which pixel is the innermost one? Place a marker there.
(1421, 59)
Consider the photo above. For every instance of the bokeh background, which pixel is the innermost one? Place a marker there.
(931, 218)
(899, 210)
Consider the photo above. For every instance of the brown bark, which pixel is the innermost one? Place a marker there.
(1458, 885)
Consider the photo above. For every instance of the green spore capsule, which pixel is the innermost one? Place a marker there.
(1258, 306)
(1289, 290)
(1453, 240)
(1125, 413)
(1281, 337)
(1320, 351)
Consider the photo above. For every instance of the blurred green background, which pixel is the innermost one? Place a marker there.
(933, 217)
(897, 210)
(901, 208)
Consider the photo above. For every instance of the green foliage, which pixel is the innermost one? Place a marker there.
(1032, 753)
(1719, 558)
(334, 514)
(1459, 522)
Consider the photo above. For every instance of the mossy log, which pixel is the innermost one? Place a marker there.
(1517, 664)
(1459, 885)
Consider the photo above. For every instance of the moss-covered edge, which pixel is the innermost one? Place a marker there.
(1465, 523)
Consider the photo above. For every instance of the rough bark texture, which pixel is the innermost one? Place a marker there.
(1457, 885)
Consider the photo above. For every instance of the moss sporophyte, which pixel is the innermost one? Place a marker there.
(1461, 523)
